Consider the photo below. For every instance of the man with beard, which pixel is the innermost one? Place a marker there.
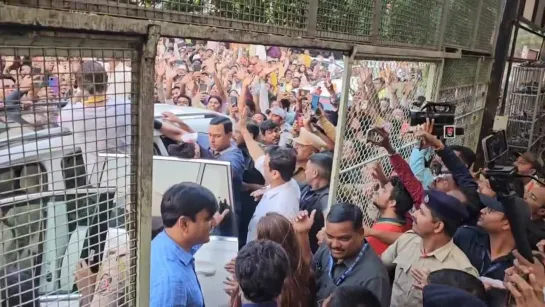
(393, 202)
(528, 165)
(270, 133)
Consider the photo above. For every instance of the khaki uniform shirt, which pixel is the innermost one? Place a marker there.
(112, 279)
(406, 253)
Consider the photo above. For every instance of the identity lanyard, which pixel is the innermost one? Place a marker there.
(491, 268)
(348, 271)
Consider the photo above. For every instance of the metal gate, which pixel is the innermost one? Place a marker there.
(60, 201)
(58, 206)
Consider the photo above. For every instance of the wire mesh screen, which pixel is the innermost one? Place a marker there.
(67, 222)
(465, 83)
(287, 17)
(402, 22)
(381, 93)
(491, 13)
(525, 105)
(461, 22)
(347, 20)
(405, 23)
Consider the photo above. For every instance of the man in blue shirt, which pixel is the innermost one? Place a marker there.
(260, 269)
(224, 148)
(189, 212)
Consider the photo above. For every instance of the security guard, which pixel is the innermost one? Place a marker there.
(306, 144)
(426, 248)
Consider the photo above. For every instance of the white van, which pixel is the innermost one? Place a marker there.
(55, 212)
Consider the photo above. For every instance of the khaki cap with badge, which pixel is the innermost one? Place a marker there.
(307, 138)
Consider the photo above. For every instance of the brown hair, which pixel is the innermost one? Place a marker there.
(299, 285)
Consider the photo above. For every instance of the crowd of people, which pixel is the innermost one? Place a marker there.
(442, 236)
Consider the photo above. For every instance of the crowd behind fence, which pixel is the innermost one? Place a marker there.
(46, 181)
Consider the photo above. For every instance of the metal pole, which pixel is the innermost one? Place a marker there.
(341, 126)
(500, 58)
(144, 165)
(509, 68)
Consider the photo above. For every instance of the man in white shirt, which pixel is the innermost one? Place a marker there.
(99, 122)
(282, 193)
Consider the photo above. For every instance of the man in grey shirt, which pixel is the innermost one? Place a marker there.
(345, 258)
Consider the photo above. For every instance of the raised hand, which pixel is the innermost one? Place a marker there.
(303, 222)
(427, 137)
(384, 140)
(218, 217)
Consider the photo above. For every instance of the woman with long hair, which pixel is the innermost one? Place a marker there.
(299, 286)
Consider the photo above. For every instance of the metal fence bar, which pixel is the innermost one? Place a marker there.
(333, 22)
(339, 138)
(144, 169)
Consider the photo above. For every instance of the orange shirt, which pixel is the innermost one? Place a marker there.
(389, 225)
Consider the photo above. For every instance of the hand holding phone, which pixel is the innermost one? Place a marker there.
(233, 101)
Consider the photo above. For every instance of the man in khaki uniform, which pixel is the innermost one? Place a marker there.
(426, 248)
(112, 279)
(306, 144)
(108, 287)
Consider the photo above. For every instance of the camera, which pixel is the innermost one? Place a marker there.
(442, 113)
(503, 178)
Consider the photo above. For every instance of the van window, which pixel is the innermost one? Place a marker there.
(73, 170)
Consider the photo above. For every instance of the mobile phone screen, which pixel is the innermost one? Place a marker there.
(314, 103)
(234, 100)
(54, 84)
(495, 145)
(203, 87)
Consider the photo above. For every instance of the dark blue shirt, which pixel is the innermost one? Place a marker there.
(173, 281)
(234, 156)
(466, 183)
(475, 243)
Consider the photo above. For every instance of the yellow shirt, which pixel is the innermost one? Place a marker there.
(406, 253)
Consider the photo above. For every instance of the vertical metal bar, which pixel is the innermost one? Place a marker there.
(432, 81)
(341, 126)
(443, 24)
(468, 140)
(500, 56)
(312, 21)
(144, 165)
(509, 68)
(476, 25)
(439, 80)
(375, 23)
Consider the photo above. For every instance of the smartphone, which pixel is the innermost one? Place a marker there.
(371, 134)
(304, 92)
(54, 84)
(233, 101)
(203, 87)
(494, 146)
(196, 66)
(180, 64)
(314, 103)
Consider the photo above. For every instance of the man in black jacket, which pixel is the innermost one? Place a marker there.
(315, 193)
